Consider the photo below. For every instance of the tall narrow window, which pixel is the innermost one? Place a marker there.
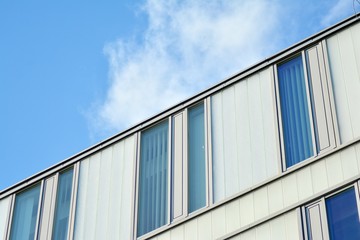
(63, 199)
(343, 216)
(153, 182)
(25, 214)
(196, 158)
(295, 112)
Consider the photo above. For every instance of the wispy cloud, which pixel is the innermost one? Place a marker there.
(339, 10)
(187, 46)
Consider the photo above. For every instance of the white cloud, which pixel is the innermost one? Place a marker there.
(189, 45)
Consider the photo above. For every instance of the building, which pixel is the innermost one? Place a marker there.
(272, 152)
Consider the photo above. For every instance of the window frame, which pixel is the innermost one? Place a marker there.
(321, 202)
(320, 101)
(42, 199)
(137, 184)
(38, 215)
(184, 193)
(279, 112)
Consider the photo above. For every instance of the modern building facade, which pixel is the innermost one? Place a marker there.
(272, 152)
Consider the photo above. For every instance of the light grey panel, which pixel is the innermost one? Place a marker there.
(48, 208)
(269, 122)
(218, 225)
(244, 135)
(230, 151)
(316, 79)
(178, 166)
(345, 72)
(217, 147)
(80, 214)
(102, 207)
(105, 193)
(315, 230)
(4, 210)
(256, 129)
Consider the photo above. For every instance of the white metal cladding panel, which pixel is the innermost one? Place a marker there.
(105, 193)
(244, 135)
(271, 198)
(284, 227)
(344, 57)
(4, 209)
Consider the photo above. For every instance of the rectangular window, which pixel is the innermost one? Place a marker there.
(306, 112)
(343, 216)
(196, 159)
(62, 210)
(335, 217)
(153, 179)
(25, 214)
(295, 111)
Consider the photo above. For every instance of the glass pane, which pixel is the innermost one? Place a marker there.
(153, 184)
(343, 216)
(25, 214)
(294, 112)
(196, 158)
(63, 198)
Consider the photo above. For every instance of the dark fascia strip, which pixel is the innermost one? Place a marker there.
(198, 97)
(225, 201)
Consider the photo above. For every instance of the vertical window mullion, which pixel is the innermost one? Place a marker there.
(310, 108)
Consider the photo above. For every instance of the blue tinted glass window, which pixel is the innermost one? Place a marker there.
(294, 111)
(196, 158)
(63, 199)
(343, 217)
(153, 183)
(25, 214)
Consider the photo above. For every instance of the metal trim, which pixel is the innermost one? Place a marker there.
(279, 122)
(137, 178)
(73, 203)
(169, 170)
(133, 217)
(41, 199)
(329, 82)
(310, 105)
(185, 163)
(208, 151)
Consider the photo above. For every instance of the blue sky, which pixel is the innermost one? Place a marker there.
(73, 73)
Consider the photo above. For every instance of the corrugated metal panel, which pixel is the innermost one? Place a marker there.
(244, 135)
(105, 193)
(279, 194)
(344, 58)
(4, 209)
(284, 227)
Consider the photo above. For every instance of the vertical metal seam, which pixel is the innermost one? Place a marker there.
(136, 184)
(39, 212)
(209, 159)
(335, 124)
(310, 106)
(169, 170)
(279, 123)
(185, 164)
